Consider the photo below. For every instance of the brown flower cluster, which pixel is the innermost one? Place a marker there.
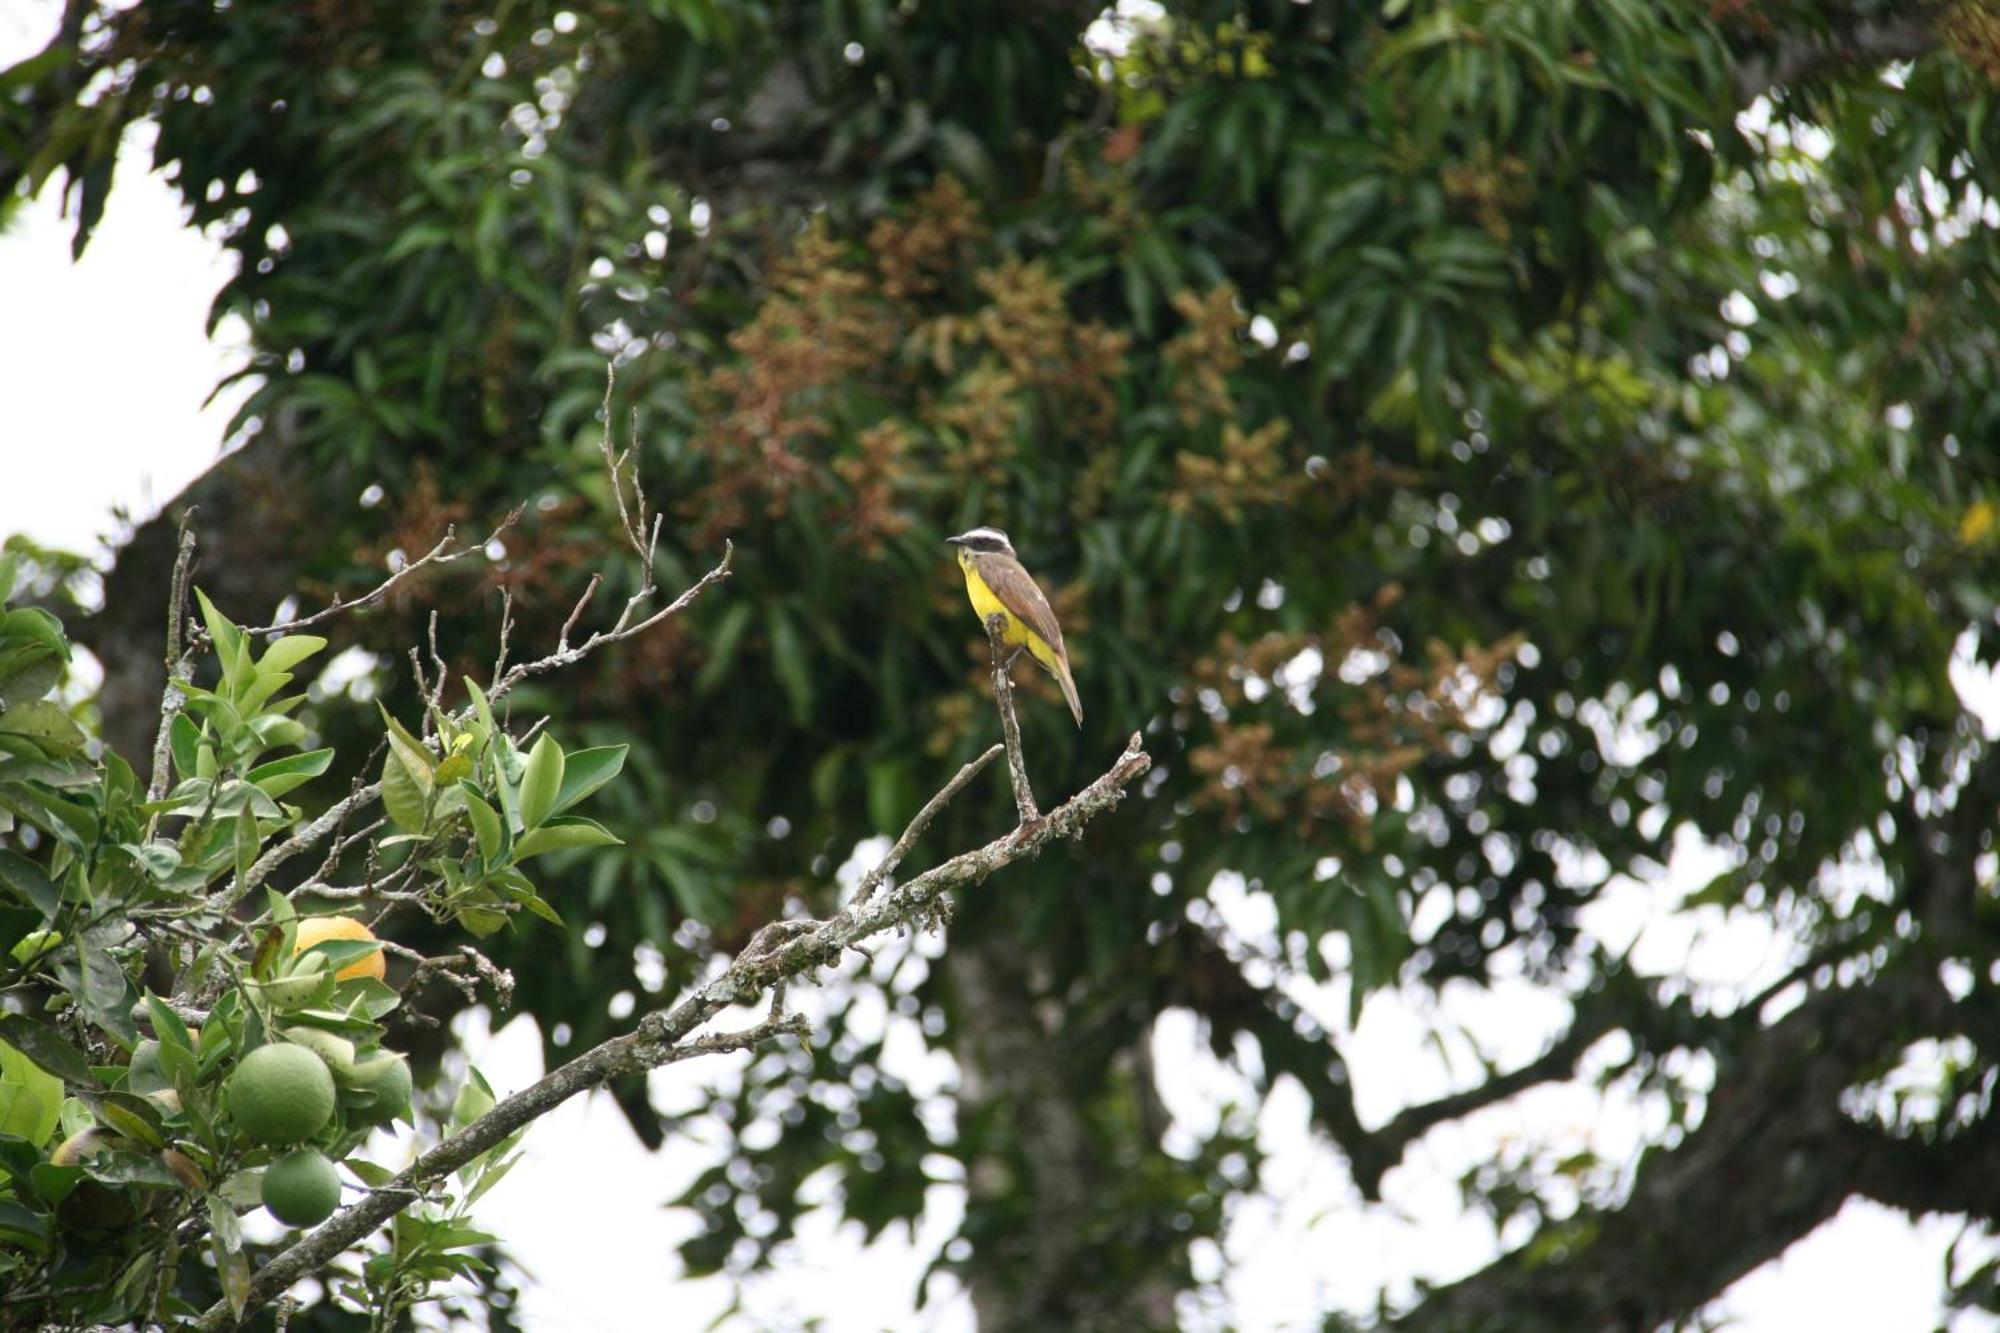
(1205, 354)
(765, 411)
(1491, 186)
(978, 419)
(872, 472)
(1395, 714)
(1972, 30)
(1028, 325)
(1255, 469)
(917, 253)
(947, 377)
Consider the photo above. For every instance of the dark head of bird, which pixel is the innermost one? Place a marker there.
(986, 541)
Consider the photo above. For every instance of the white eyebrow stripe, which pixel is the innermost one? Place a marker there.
(993, 534)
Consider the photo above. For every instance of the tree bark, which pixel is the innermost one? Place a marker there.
(1774, 1156)
(253, 505)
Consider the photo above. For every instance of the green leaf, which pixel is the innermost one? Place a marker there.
(480, 706)
(233, 1268)
(26, 881)
(23, 1227)
(288, 652)
(372, 1175)
(46, 724)
(282, 775)
(48, 1049)
(561, 834)
(101, 988)
(541, 781)
(481, 921)
(584, 771)
(130, 1168)
(167, 1024)
(159, 859)
(230, 648)
(415, 753)
(131, 1115)
(723, 646)
(30, 1097)
(27, 676)
(788, 659)
(405, 792)
(487, 825)
(368, 996)
(184, 740)
(38, 627)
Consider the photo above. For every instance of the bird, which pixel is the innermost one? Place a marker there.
(996, 582)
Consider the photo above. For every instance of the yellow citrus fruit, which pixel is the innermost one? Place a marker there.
(301, 1188)
(281, 1093)
(313, 929)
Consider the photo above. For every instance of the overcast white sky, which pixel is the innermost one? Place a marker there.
(103, 370)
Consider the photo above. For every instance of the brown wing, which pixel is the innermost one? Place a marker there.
(1017, 592)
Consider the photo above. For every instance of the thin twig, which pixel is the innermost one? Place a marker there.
(576, 612)
(632, 517)
(441, 554)
(618, 633)
(1010, 729)
(873, 879)
(506, 631)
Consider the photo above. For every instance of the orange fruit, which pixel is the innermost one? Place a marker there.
(313, 929)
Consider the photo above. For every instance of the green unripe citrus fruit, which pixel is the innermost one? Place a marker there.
(281, 1093)
(388, 1077)
(301, 1188)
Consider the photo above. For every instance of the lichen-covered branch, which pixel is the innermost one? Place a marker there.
(667, 1036)
(172, 700)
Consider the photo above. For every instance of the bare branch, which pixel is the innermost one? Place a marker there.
(506, 631)
(873, 879)
(624, 629)
(576, 612)
(632, 516)
(666, 1036)
(1010, 729)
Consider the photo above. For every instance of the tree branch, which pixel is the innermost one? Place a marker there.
(1797, 58)
(873, 879)
(1774, 1132)
(665, 1036)
(1010, 729)
(171, 698)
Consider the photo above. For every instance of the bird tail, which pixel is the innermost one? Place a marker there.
(1069, 693)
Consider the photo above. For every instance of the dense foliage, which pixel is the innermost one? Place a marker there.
(1476, 441)
(139, 1126)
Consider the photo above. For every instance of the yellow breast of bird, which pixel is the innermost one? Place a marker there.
(984, 603)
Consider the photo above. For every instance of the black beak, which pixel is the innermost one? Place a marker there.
(954, 541)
